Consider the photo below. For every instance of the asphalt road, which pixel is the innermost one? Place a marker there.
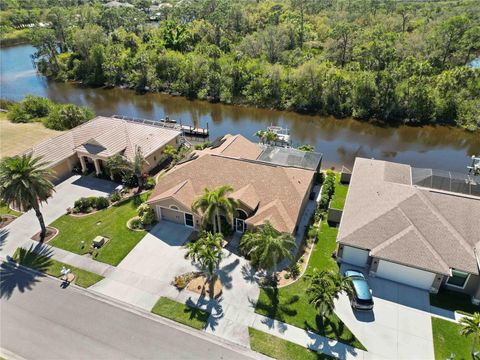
(41, 320)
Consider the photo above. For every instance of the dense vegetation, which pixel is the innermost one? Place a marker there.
(393, 61)
(54, 116)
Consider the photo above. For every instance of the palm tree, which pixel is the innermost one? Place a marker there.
(118, 165)
(261, 134)
(24, 180)
(306, 148)
(267, 247)
(325, 287)
(207, 252)
(213, 204)
(138, 164)
(471, 326)
(271, 137)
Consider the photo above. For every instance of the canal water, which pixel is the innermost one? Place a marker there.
(339, 140)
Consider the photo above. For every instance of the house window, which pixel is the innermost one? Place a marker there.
(189, 220)
(458, 278)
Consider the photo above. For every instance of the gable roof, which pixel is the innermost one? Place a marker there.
(277, 191)
(400, 222)
(104, 136)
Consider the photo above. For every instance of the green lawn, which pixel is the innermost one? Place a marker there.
(452, 300)
(5, 210)
(338, 198)
(281, 349)
(193, 317)
(52, 267)
(447, 340)
(290, 304)
(111, 222)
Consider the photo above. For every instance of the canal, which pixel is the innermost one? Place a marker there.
(339, 140)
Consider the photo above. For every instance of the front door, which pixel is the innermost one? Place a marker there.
(239, 225)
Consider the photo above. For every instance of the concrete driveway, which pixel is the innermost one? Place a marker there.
(399, 327)
(73, 188)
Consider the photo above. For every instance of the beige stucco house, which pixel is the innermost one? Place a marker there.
(94, 142)
(400, 225)
(265, 188)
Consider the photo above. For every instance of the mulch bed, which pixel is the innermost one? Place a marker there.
(200, 286)
(6, 219)
(51, 233)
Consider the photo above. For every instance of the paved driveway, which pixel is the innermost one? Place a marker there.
(399, 326)
(20, 230)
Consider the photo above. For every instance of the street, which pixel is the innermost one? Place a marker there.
(41, 320)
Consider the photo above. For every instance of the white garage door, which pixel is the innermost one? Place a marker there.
(405, 274)
(354, 256)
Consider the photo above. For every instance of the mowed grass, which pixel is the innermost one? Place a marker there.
(455, 301)
(338, 199)
(29, 258)
(193, 317)
(16, 138)
(447, 340)
(290, 304)
(5, 210)
(281, 349)
(111, 222)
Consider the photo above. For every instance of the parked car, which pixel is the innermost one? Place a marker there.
(362, 294)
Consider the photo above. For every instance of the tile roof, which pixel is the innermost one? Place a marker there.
(407, 224)
(104, 136)
(278, 191)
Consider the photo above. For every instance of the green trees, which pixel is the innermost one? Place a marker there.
(207, 253)
(471, 327)
(266, 247)
(341, 58)
(324, 288)
(25, 181)
(64, 117)
(213, 204)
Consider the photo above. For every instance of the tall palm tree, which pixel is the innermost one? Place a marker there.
(24, 180)
(118, 165)
(267, 247)
(471, 326)
(213, 204)
(325, 287)
(138, 164)
(207, 252)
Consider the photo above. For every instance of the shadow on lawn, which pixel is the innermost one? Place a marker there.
(330, 329)
(13, 277)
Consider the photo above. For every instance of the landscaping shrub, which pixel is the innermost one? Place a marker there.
(294, 270)
(136, 223)
(327, 190)
(6, 104)
(129, 179)
(101, 202)
(30, 108)
(84, 204)
(65, 117)
(115, 196)
(150, 183)
(146, 214)
(313, 231)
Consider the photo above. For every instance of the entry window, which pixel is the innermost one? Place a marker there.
(458, 278)
(189, 220)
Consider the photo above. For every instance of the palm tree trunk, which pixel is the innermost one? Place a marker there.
(39, 215)
(219, 222)
(212, 285)
(473, 347)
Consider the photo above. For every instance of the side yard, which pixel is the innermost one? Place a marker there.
(290, 304)
(52, 267)
(338, 198)
(110, 223)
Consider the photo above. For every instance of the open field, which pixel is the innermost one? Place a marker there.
(16, 138)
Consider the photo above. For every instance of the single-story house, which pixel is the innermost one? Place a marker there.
(267, 184)
(94, 142)
(401, 224)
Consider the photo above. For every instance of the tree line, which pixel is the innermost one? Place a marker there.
(394, 62)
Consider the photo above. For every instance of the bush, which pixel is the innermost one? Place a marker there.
(312, 231)
(6, 104)
(18, 115)
(115, 196)
(36, 106)
(129, 179)
(150, 183)
(294, 270)
(65, 117)
(328, 189)
(180, 282)
(84, 204)
(136, 223)
(101, 202)
(146, 214)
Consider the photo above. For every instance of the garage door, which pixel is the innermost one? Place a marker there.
(354, 256)
(405, 274)
(173, 216)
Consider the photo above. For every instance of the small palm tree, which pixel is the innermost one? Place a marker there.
(24, 180)
(325, 287)
(213, 204)
(207, 252)
(267, 247)
(271, 137)
(118, 165)
(261, 134)
(138, 163)
(471, 326)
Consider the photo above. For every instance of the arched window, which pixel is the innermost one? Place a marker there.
(173, 207)
(241, 214)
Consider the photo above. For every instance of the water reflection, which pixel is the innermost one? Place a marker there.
(340, 140)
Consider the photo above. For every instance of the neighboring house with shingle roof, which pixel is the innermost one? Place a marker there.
(94, 142)
(264, 191)
(419, 236)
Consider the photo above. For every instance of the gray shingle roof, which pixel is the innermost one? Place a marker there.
(400, 222)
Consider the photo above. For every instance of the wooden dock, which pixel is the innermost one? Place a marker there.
(187, 130)
(194, 131)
